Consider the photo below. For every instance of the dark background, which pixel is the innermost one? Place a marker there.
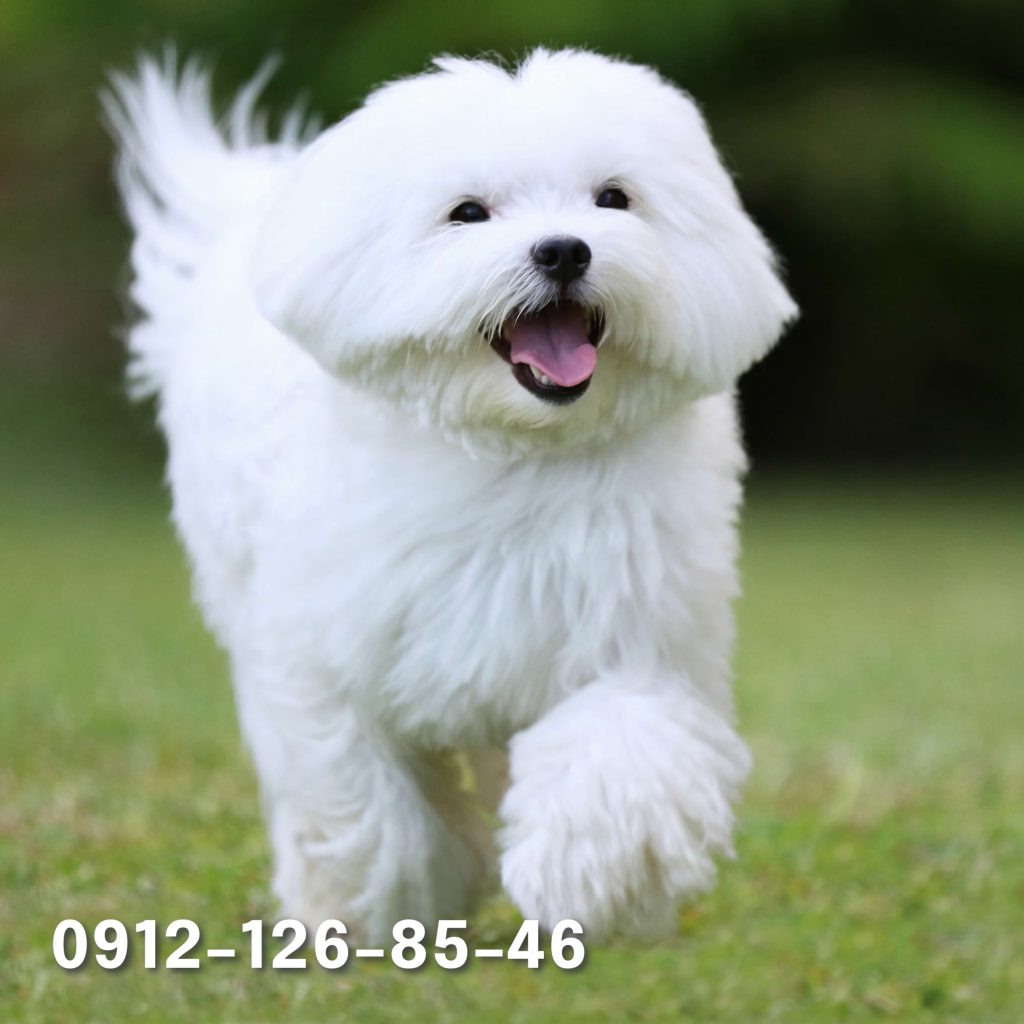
(879, 144)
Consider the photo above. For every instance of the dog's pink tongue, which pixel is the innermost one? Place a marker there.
(555, 341)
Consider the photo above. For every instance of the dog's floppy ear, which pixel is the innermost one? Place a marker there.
(732, 301)
(298, 260)
(315, 272)
(727, 295)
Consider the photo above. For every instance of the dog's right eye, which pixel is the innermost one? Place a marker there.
(469, 212)
(612, 198)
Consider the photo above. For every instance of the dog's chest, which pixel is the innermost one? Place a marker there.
(470, 609)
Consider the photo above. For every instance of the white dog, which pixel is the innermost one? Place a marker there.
(453, 450)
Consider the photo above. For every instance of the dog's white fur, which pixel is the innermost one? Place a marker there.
(402, 549)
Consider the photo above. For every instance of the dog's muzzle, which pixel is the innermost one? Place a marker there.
(552, 351)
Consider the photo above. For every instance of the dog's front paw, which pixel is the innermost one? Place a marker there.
(618, 802)
(552, 875)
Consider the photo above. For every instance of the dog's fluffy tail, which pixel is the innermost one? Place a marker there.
(184, 177)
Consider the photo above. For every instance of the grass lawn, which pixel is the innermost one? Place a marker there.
(880, 854)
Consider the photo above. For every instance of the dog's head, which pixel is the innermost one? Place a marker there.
(539, 258)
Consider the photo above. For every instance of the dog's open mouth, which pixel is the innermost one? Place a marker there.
(553, 352)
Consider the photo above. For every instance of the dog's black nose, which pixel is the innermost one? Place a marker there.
(564, 259)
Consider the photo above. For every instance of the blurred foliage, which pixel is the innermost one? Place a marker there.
(880, 145)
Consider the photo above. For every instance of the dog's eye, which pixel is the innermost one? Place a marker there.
(469, 212)
(612, 199)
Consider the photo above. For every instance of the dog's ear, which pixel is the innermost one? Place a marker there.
(293, 256)
(731, 300)
(728, 302)
(316, 270)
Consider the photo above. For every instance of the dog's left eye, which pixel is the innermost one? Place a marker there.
(469, 212)
(612, 199)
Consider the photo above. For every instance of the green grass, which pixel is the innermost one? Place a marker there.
(881, 840)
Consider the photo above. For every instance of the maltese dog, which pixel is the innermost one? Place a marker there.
(448, 394)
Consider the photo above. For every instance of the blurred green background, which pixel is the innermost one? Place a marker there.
(881, 146)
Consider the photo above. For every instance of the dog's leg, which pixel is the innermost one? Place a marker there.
(619, 797)
(355, 833)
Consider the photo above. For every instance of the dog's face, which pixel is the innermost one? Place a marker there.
(536, 259)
